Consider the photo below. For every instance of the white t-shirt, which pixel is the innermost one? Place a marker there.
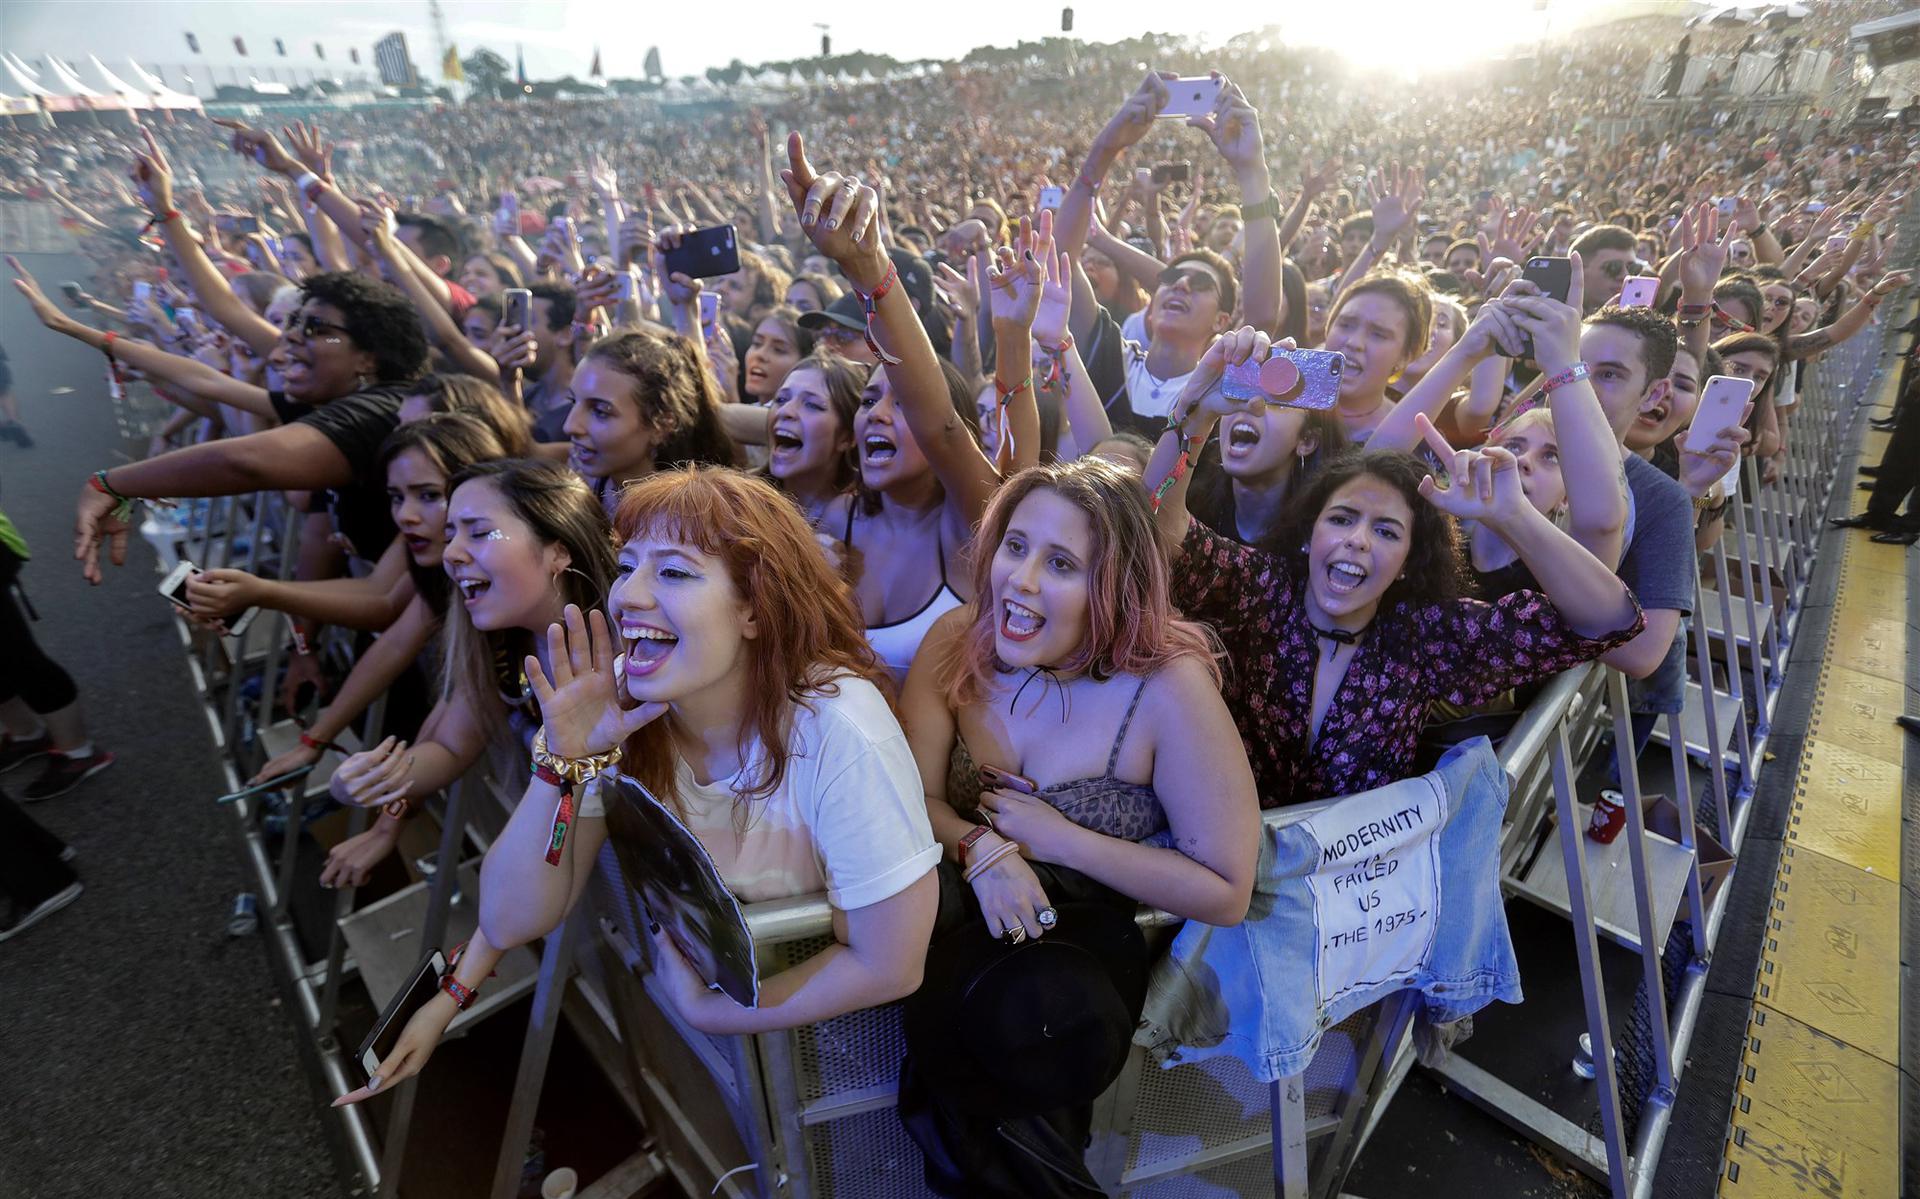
(1147, 394)
(849, 818)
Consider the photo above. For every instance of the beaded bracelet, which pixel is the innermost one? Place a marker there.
(1180, 466)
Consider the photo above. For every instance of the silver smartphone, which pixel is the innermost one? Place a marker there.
(1191, 97)
(424, 984)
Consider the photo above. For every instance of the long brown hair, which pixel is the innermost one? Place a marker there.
(810, 630)
(845, 379)
(559, 507)
(677, 397)
(1131, 626)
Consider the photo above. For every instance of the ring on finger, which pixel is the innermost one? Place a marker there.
(1046, 917)
(1014, 935)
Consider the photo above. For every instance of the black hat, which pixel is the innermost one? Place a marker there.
(916, 277)
(848, 310)
(1034, 1027)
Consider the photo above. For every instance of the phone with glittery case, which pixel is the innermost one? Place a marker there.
(1313, 383)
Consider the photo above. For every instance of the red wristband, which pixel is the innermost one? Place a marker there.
(463, 995)
(562, 816)
(967, 842)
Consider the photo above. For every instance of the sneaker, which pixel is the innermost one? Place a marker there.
(18, 751)
(18, 920)
(63, 774)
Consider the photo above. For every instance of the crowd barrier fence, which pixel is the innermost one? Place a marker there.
(807, 1113)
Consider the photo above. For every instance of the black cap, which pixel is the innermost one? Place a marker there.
(848, 311)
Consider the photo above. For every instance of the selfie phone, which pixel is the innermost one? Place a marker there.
(992, 778)
(1554, 278)
(174, 586)
(1725, 205)
(1312, 382)
(1638, 291)
(73, 293)
(424, 985)
(1172, 172)
(704, 253)
(142, 292)
(1723, 401)
(517, 307)
(1191, 97)
(1052, 197)
(709, 311)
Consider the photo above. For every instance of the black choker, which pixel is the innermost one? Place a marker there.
(1341, 636)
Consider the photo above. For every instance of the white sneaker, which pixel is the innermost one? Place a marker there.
(20, 922)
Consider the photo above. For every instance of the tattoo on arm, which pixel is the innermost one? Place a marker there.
(1809, 343)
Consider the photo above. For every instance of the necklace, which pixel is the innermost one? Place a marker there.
(1338, 637)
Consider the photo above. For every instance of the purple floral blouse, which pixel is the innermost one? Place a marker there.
(1465, 652)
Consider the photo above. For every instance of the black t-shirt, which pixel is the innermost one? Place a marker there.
(357, 425)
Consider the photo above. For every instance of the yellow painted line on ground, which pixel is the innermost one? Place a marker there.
(1811, 1116)
(1829, 961)
(1856, 710)
(1817, 1105)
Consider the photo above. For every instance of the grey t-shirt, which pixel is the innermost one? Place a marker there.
(1661, 568)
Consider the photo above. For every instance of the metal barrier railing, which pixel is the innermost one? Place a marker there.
(808, 1112)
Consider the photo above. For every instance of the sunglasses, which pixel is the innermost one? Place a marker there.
(1198, 279)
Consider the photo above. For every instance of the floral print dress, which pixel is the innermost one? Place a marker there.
(1463, 651)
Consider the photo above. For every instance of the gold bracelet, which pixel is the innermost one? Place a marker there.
(574, 770)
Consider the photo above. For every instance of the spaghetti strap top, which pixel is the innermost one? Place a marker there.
(896, 642)
(1104, 804)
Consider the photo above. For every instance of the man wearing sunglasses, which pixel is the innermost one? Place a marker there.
(1195, 295)
(1608, 255)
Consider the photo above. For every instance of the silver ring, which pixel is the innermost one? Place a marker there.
(1014, 935)
(1047, 917)
(988, 817)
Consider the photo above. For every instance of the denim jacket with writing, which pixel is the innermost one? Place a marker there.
(1354, 898)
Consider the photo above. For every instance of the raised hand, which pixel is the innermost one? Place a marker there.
(314, 153)
(1553, 326)
(261, 146)
(1700, 470)
(1137, 114)
(837, 213)
(1315, 180)
(1511, 231)
(1703, 253)
(1482, 485)
(1234, 128)
(583, 703)
(1019, 273)
(603, 180)
(962, 291)
(680, 289)
(1231, 348)
(1056, 297)
(1396, 197)
(152, 177)
(46, 310)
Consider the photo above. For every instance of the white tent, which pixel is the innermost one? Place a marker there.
(163, 96)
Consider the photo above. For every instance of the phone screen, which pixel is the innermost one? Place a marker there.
(412, 997)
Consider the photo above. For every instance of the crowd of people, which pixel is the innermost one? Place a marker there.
(947, 565)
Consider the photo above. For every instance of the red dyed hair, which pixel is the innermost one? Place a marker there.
(810, 630)
(1131, 627)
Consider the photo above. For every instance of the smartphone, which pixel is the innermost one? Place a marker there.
(424, 985)
(237, 627)
(992, 778)
(1294, 378)
(1723, 401)
(709, 311)
(73, 293)
(1815, 206)
(1191, 97)
(1553, 276)
(1172, 172)
(1724, 205)
(518, 307)
(174, 586)
(1052, 197)
(1638, 291)
(705, 253)
(246, 224)
(142, 291)
(189, 321)
(278, 780)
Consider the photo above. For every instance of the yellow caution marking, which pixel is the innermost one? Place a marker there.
(1855, 709)
(1847, 806)
(1831, 938)
(1867, 641)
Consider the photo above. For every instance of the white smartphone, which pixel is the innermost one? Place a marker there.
(1723, 401)
(1052, 197)
(1637, 291)
(709, 311)
(1191, 97)
(174, 586)
(142, 291)
(424, 984)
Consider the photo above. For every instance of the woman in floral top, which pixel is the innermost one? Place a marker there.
(1343, 631)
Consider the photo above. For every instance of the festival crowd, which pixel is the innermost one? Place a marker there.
(1053, 485)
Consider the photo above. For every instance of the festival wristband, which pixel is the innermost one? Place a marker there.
(1572, 374)
(967, 842)
(463, 995)
(872, 301)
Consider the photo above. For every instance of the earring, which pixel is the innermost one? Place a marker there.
(359, 382)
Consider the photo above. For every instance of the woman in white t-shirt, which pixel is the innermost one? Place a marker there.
(747, 700)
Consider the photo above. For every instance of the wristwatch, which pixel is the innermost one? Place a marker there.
(1268, 208)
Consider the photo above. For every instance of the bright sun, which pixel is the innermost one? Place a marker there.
(1421, 36)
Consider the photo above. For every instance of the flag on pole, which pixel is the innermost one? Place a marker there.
(193, 43)
(653, 62)
(519, 67)
(280, 47)
(450, 70)
(320, 52)
(595, 72)
(354, 54)
(240, 47)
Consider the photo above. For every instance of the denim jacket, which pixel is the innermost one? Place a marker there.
(1354, 898)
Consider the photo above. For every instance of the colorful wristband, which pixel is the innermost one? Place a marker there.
(463, 995)
(872, 302)
(1572, 374)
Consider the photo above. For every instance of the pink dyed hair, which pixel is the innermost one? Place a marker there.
(1131, 626)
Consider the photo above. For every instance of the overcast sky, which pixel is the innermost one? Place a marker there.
(559, 36)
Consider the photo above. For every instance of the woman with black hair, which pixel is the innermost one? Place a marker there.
(1341, 636)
